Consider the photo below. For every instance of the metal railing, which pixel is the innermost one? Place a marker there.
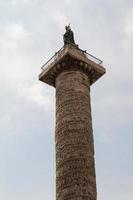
(89, 56)
(53, 58)
(93, 58)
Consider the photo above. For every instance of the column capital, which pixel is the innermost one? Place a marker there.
(70, 57)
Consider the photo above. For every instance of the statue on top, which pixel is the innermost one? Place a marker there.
(68, 37)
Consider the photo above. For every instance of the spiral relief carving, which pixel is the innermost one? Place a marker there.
(75, 167)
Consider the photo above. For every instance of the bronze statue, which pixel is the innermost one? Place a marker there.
(68, 37)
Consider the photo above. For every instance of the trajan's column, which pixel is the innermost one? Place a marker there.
(72, 71)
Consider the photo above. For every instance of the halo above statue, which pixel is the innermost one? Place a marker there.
(68, 37)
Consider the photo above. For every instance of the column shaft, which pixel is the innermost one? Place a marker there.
(75, 167)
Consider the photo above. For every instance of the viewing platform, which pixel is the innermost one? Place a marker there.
(79, 58)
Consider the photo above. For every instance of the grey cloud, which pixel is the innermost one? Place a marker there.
(31, 32)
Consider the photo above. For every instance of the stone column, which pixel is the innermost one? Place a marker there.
(72, 71)
(75, 167)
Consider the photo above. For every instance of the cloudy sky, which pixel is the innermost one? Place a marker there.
(30, 33)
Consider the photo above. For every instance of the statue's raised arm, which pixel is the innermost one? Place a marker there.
(68, 37)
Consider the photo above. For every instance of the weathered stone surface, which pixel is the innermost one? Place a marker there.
(71, 71)
(75, 167)
(73, 57)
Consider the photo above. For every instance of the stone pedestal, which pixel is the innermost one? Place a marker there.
(72, 73)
